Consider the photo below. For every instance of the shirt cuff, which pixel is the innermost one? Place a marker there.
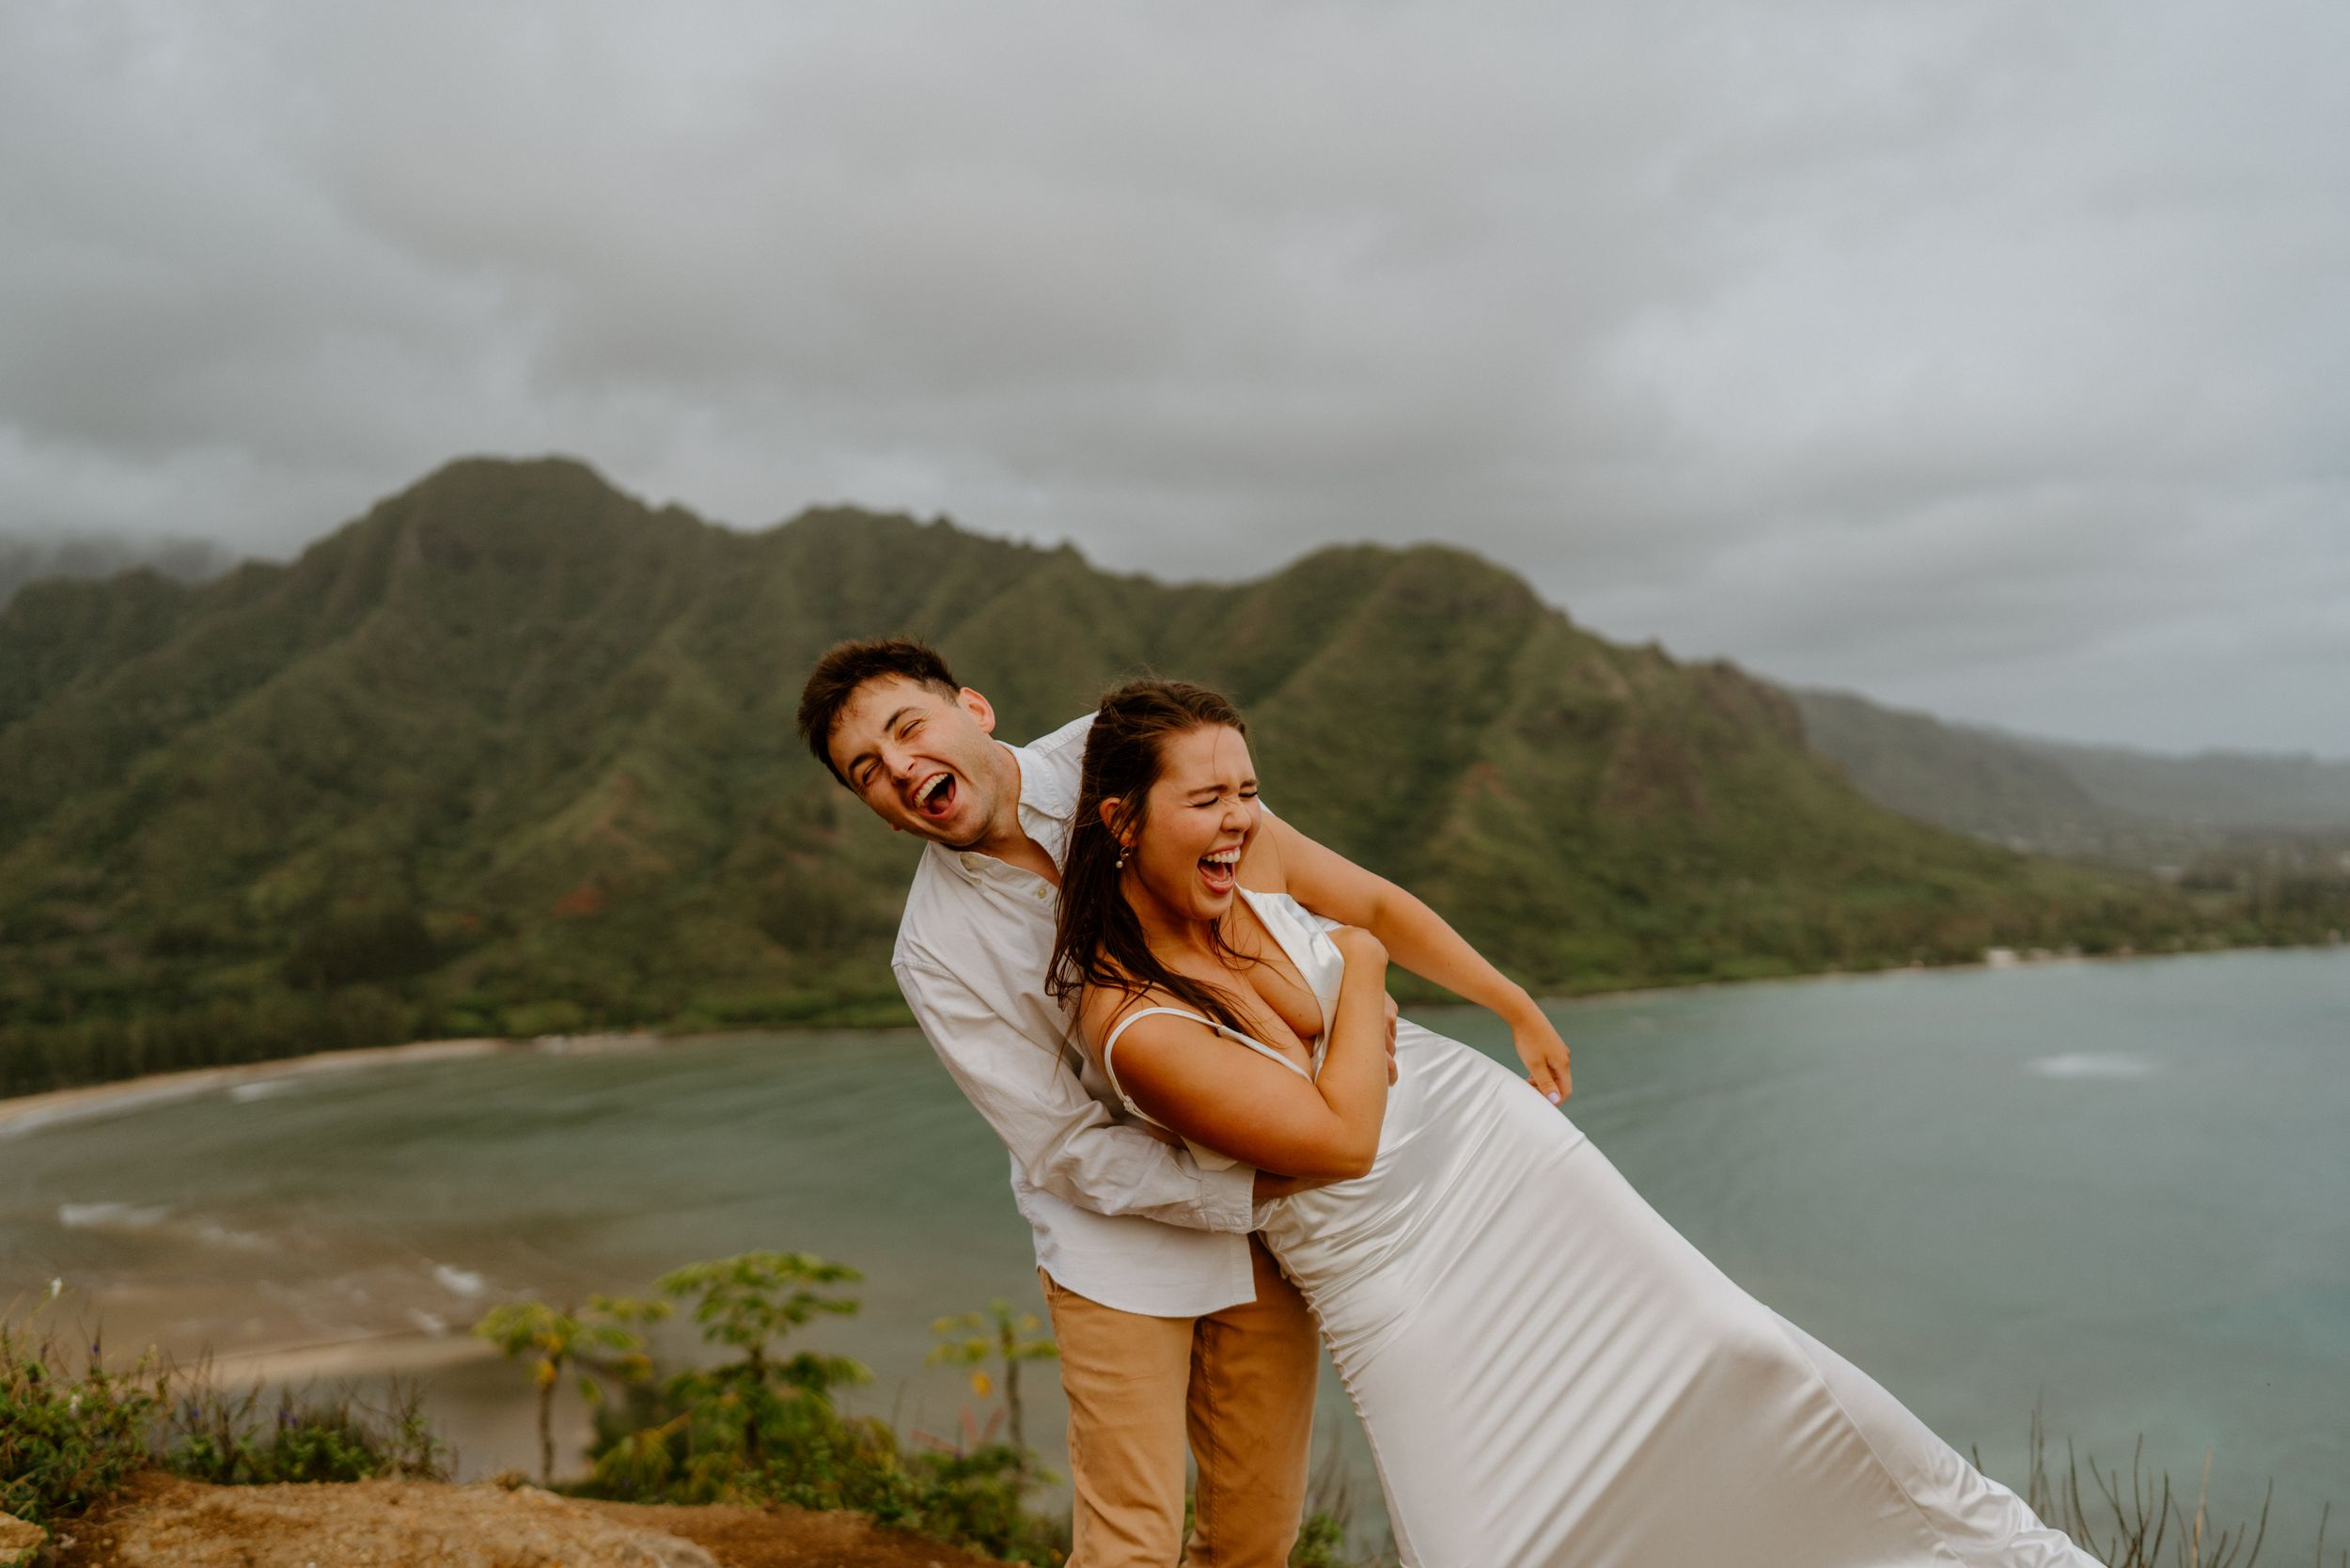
(1229, 1204)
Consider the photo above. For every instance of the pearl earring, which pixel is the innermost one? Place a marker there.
(1121, 860)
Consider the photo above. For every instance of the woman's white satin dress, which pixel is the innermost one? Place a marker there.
(1551, 1377)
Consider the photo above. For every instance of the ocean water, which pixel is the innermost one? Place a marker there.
(2118, 1191)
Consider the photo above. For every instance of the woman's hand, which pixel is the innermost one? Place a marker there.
(1360, 949)
(1547, 1065)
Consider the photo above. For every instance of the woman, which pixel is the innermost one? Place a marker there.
(1548, 1373)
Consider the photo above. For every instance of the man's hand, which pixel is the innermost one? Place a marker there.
(1357, 946)
(1270, 1185)
(1547, 1067)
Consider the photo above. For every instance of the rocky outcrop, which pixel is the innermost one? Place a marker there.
(18, 1541)
(162, 1521)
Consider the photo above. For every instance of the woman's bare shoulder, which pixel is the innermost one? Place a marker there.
(1103, 1012)
(1101, 1006)
(1262, 868)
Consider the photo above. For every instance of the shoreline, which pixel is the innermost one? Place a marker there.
(388, 1355)
(52, 1107)
(2038, 958)
(26, 1113)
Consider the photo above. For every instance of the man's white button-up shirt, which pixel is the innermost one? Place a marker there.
(1119, 1217)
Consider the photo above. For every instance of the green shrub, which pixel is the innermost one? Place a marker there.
(979, 1500)
(760, 1424)
(69, 1429)
(1321, 1543)
(1003, 1337)
(762, 1427)
(217, 1436)
(601, 1341)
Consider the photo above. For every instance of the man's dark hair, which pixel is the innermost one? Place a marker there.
(848, 665)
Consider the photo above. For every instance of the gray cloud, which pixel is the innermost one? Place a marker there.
(1983, 356)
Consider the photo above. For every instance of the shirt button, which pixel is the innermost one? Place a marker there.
(970, 859)
(1042, 893)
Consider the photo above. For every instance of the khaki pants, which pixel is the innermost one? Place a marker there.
(1238, 1383)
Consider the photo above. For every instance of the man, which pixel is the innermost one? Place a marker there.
(1174, 1323)
(1170, 1317)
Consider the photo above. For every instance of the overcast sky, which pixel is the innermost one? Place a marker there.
(1990, 356)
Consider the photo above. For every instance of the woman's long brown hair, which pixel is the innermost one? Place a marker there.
(1099, 940)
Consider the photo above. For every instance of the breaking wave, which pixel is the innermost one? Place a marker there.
(2094, 1064)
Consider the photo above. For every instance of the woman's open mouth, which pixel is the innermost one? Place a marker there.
(935, 799)
(1221, 869)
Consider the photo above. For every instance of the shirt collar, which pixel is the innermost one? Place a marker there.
(1046, 801)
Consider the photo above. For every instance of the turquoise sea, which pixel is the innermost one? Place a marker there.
(2119, 1191)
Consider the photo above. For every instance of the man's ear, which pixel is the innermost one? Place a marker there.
(982, 712)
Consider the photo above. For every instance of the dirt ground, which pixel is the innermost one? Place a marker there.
(161, 1521)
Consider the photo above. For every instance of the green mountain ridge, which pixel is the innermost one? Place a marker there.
(2111, 803)
(513, 753)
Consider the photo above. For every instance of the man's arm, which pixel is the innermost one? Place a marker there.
(1063, 1139)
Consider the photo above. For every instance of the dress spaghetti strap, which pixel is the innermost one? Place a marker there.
(1228, 1032)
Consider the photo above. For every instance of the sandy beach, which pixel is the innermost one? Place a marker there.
(399, 1353)
(27, 1111)
(376, 1355)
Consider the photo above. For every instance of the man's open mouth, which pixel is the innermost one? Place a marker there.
(1220, 870)
(935, 799)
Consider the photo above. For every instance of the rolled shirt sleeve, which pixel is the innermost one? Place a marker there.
(1063, 1140)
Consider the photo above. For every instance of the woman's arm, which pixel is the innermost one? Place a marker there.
(1420, 939)
(1226, 1097)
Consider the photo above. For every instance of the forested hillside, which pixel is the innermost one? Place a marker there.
(26, 560)
(2057, 796)
(2267, 837)
(513, 754)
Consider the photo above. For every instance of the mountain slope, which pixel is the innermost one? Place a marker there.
(2051, 796)
(514, 753)
(31, 561)
(2229, 790)
(1960, 778)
